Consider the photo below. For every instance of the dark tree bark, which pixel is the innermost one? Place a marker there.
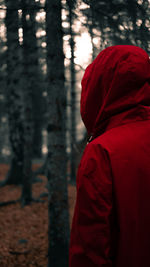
(27, 91)
(57, 176)
(71, 4)
(144, 32)
(14, 91)
(131, 7)
(91, 27)
(36, 83)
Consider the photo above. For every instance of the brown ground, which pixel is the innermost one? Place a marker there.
(23, 231)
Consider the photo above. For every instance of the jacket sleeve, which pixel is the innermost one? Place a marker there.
(92, 224)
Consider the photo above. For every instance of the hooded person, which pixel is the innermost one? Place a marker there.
(111, 221)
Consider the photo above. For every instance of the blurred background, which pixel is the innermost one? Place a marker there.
(45, 46)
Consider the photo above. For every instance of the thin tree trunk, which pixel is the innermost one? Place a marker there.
(14, 90)
(144, 30)
(92, 41)
(131, 7)
(91, 26)
(28, 120)
(57, 176)
(36, 84)
(73, 95)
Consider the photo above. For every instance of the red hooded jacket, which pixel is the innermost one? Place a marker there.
(111, 222)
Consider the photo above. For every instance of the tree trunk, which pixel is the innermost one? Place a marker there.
(36, 84)
(57, 176)
(73, 95)
(144, 29)
(27, 90)
(14, 98)
(91, 27)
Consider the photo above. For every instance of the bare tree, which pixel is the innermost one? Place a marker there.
(37, 102)
(57, 176)
(14, 94)
(71, 6)
(27, 91)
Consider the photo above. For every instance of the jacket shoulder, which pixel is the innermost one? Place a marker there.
(94, 165)
(124, 136)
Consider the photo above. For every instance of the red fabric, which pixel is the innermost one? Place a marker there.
(111, 222)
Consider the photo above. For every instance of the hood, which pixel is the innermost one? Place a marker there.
(117, 80)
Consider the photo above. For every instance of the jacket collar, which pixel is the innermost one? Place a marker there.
(138, 113)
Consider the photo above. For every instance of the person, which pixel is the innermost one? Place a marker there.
(111, 221)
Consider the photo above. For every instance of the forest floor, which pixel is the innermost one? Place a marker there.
(24, 231)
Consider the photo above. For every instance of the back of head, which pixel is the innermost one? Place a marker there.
(117, 80)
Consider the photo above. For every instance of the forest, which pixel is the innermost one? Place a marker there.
(45, 46)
